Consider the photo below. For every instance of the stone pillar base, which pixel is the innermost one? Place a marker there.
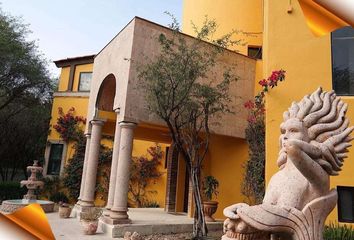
(84, 203)
(75, 212)
(112, 221)
(106, 212)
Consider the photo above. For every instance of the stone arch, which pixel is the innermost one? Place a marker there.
(106, 94)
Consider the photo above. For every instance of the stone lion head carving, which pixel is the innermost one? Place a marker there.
(319, 119)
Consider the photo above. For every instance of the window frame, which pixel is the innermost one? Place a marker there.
(332, 71)
(255, 46)
(347, 188)
(47, 156)
(78, 87)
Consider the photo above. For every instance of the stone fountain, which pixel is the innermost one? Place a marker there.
(32, 184)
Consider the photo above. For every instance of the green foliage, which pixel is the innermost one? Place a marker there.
(183, 88)
(210, 187)
(103, 172)
(338, 232)
(150, 204)
(73, 169)
(253, 184)
(144, 171)
(52, 185)
(25, 99)
(68, 125)
(23, 139)
(58, 197)
(11, 190)
(24, 78)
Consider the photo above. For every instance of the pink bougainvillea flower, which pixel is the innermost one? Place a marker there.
(263, 83)
(249, 104)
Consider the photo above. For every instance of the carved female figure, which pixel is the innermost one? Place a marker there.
(313, 145)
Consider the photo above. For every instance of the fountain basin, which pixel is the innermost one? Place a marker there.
(9, 206)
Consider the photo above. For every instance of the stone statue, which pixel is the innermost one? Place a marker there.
(313, 145)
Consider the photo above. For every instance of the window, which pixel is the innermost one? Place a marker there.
(343, 61)
(345, 204)
(255, 52)
(55, 156)
(85, 81)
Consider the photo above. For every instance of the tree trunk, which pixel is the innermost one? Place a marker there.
(199, 228)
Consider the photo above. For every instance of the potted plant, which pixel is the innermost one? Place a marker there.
(210, 188)
(89, 220)
(64, 210)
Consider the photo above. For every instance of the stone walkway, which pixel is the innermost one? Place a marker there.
(145, 221)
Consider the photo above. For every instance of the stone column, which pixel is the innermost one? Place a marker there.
(119, 210)
(84, 169)
(112, 179)
(92, 163)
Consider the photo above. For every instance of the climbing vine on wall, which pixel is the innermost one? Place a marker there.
(253, 184)
(68, 125)
(73, 169)
(144, 171)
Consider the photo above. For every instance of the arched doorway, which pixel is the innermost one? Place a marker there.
(106, 94)
(104, 111)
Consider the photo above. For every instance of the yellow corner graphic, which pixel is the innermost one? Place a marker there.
(29, 222)
(325, 16)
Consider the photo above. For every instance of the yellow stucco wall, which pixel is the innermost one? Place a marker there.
(79, 69)
(226, 154)
(225, 160)
(80, 105)
(64, 79)
(158, 188)
(289, 44)
(246, 16)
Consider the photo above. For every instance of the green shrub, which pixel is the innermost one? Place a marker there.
(144, 171)
(59, 197)
(334, 231)
(73, 169)
(51, 186)
(150, 204)
(11, 190)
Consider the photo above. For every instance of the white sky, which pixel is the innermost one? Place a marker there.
(69, 28)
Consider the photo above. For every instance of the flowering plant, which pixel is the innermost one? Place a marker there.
(256, 107)
(68, 124)
(272, 81)
(253, 185)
